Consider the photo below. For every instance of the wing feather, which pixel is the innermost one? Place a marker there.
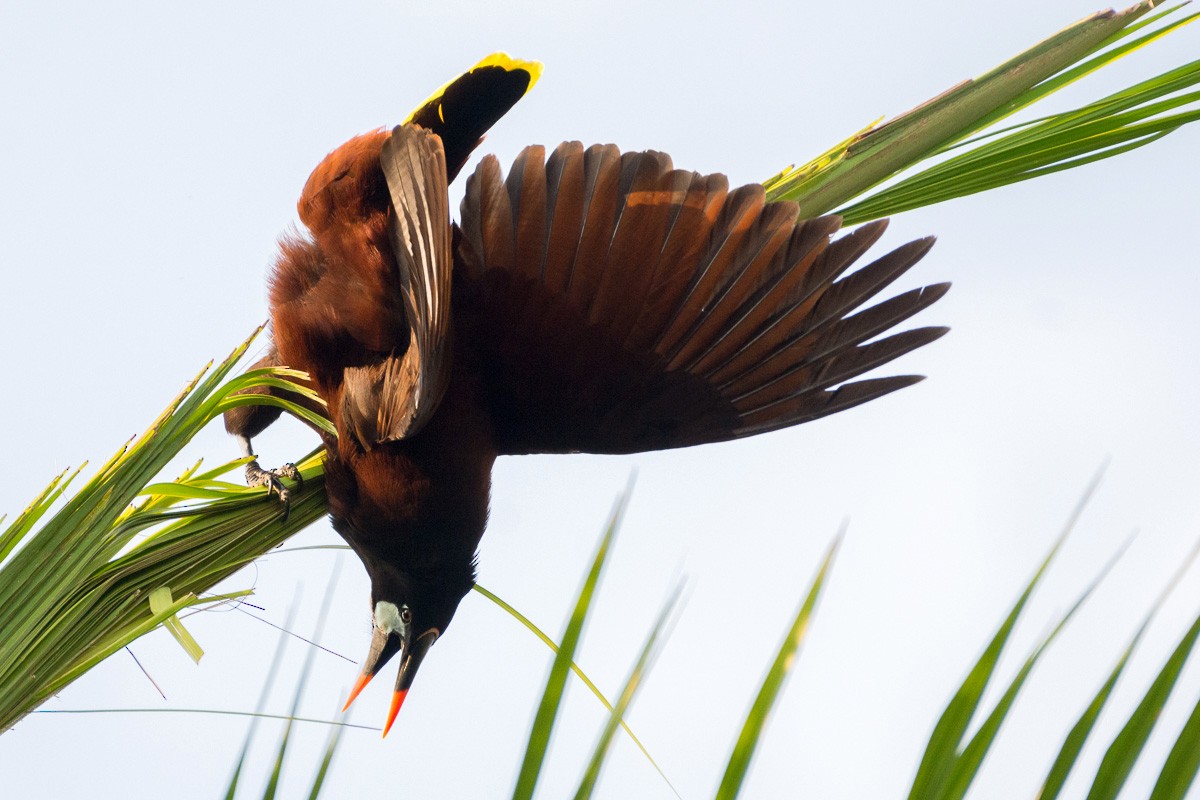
(602, 170)
(527, 191)
(624, 305)
(642, 214)
(393, 397)
(565, 177)
(691, 222)
(807, 241)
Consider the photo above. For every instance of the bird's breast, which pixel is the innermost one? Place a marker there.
(432, 487)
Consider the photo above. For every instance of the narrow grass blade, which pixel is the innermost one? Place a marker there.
(649, 650)
(296, 410)
(967, 765)
(1179, 770)
(185, 491)
(272, 671)
(277, 767)
(281, 753)
(942, 752)
(1077, 737)
(331, 746)
(543, 723)
(579, 673)
(1123, 753)
(768, 692)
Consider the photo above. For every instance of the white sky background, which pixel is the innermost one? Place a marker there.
(154, 152)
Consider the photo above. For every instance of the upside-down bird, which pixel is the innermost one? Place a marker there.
(594, 301)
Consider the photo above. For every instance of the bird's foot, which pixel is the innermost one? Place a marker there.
(270, 478)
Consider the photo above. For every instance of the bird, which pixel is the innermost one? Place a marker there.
(592, 301)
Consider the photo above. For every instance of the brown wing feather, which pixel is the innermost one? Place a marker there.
(622, 305)
(792, 301)
(394, 397)
(806, 242)
(791, 339)
(733, 229)
(527, 191)
(690, 223)
(641, 215)
(564, 219)
(770, 233)
(601, 172)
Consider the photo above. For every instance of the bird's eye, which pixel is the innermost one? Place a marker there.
(406, 615)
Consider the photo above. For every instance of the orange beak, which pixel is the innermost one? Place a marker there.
(397, 701)
(382, 648)
(360, 684)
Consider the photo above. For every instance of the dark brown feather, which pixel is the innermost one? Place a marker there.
(807, 241)
(821, 403)
(848, 361)
(721, 313)
(642, 211)
(490, 229)
(564, 213)
(527, 191)
(790, 305)
(733, 229)
(631, 306)
(395, 396)
(798, 328)
(602, 171)
(689, 227)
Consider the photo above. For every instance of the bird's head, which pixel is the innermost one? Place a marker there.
(407, 616)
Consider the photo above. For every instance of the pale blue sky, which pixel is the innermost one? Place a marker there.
(155, 152)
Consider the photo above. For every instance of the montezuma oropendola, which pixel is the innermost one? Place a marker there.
(595, 301)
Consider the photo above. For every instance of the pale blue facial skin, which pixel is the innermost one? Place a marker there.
(389, 618)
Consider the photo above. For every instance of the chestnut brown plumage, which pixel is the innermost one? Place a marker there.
(593, 301)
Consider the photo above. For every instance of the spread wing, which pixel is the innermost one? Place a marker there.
(623, 305)
(394, 397)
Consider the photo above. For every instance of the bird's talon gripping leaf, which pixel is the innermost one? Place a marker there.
(289, 470)
(257, 476)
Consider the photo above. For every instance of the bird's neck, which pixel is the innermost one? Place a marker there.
(408, 511)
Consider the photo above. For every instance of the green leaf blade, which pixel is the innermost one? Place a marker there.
(752, 729)
(544, 719)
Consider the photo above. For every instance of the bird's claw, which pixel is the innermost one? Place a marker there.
(289, 470)
(257, 476)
